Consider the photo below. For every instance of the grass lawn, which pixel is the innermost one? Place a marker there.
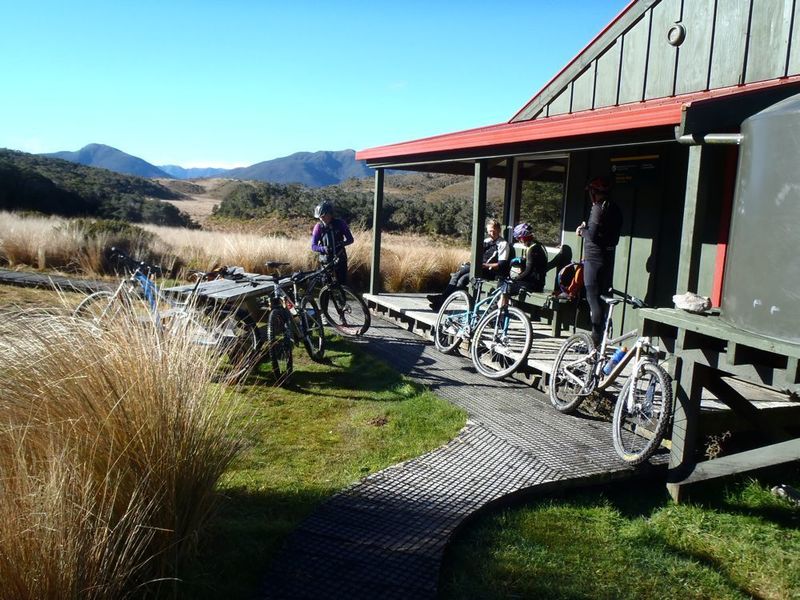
(632, 542)
(334, 424)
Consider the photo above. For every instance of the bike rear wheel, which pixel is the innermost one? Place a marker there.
(452, 322)
(639, 428)
(280, 343)
(312, 328)
(345, 310)
(501, 342)
(104, 307)
(571, 374)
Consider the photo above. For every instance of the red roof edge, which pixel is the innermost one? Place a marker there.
(637, 115)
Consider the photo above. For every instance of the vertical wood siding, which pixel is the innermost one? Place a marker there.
(728, 42)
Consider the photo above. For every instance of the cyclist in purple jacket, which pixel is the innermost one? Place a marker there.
(329, 238)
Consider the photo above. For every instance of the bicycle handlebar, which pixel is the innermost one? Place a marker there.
(628, 299)
(132, 263)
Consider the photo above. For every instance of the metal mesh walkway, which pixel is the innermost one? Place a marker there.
(385, 536)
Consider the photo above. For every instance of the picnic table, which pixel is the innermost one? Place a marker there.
(232, 292)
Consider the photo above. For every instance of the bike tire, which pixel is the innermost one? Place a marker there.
(280, 344)
(451, 322)
(566, 395)
(345, 310)
(97, 307)
(498, 349)
(105, 306)
(638, 432)
(312, 328)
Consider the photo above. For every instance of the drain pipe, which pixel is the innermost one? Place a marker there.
(694, 139)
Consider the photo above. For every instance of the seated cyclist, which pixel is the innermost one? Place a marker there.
(495, 264)
(532, 264)
(329, 238)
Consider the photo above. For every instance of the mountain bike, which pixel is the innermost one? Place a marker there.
(292, 318)
(499, 334)
(644, 406)
(344, 310)
(229, 333)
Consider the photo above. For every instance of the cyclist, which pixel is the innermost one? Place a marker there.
(532, 263)
(329, 238)
(600, 238)
(495, 263)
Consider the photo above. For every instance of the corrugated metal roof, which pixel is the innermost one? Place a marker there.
(628, 117)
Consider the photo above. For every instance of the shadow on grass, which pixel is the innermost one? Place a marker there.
(249, 529)
(345, 366)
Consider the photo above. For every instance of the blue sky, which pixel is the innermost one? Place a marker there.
(199, 83)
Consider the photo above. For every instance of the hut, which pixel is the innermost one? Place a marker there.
(693, 110)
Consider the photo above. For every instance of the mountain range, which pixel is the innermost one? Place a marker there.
(314, 169)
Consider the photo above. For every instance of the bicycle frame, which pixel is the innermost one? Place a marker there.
(601, 380)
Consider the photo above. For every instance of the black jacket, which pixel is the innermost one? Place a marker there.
(602, 232)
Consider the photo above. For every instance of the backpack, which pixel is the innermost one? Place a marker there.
(570, 280)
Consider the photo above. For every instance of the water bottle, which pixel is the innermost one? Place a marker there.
(614, 360)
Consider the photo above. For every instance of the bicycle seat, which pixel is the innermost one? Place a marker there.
(610, 300)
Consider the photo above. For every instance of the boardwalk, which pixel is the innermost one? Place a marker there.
(385, 536)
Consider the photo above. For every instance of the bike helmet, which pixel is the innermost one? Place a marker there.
(599, 184)
(323, 208)
(523, 230)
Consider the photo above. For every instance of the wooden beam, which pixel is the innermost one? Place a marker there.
(478, 215)
(377, 221)
(766, 456)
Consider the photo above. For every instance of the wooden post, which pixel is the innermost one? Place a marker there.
(684, 426)
(377, 220)
(478, 215)
(693, 210)
(510, 216)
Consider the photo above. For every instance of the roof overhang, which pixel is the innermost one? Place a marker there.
(638, 123)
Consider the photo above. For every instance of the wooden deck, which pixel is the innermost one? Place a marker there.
(414, 313)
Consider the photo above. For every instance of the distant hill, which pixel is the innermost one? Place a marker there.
(106, 157)
(313, 169)
(192, 173)
(53, 186)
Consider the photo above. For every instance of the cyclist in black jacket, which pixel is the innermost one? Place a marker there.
(600, 238)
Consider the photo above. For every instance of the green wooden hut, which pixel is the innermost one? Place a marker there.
(658, 101)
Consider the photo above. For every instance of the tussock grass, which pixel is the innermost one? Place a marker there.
(109, 455)
(408, 263)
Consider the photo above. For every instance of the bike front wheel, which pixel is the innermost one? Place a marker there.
(642, 413)
(280, 343)
(98, 307)
(345, 310)
(572, 372)
(312, 329)
(452, 322)
(501, 342)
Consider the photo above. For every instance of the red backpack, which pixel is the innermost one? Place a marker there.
(570, 280)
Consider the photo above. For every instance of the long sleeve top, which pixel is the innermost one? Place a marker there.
(331, 238)
(602, 232)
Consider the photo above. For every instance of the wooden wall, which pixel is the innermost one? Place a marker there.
(726, 43)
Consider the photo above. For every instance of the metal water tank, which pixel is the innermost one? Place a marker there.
(761, 291)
